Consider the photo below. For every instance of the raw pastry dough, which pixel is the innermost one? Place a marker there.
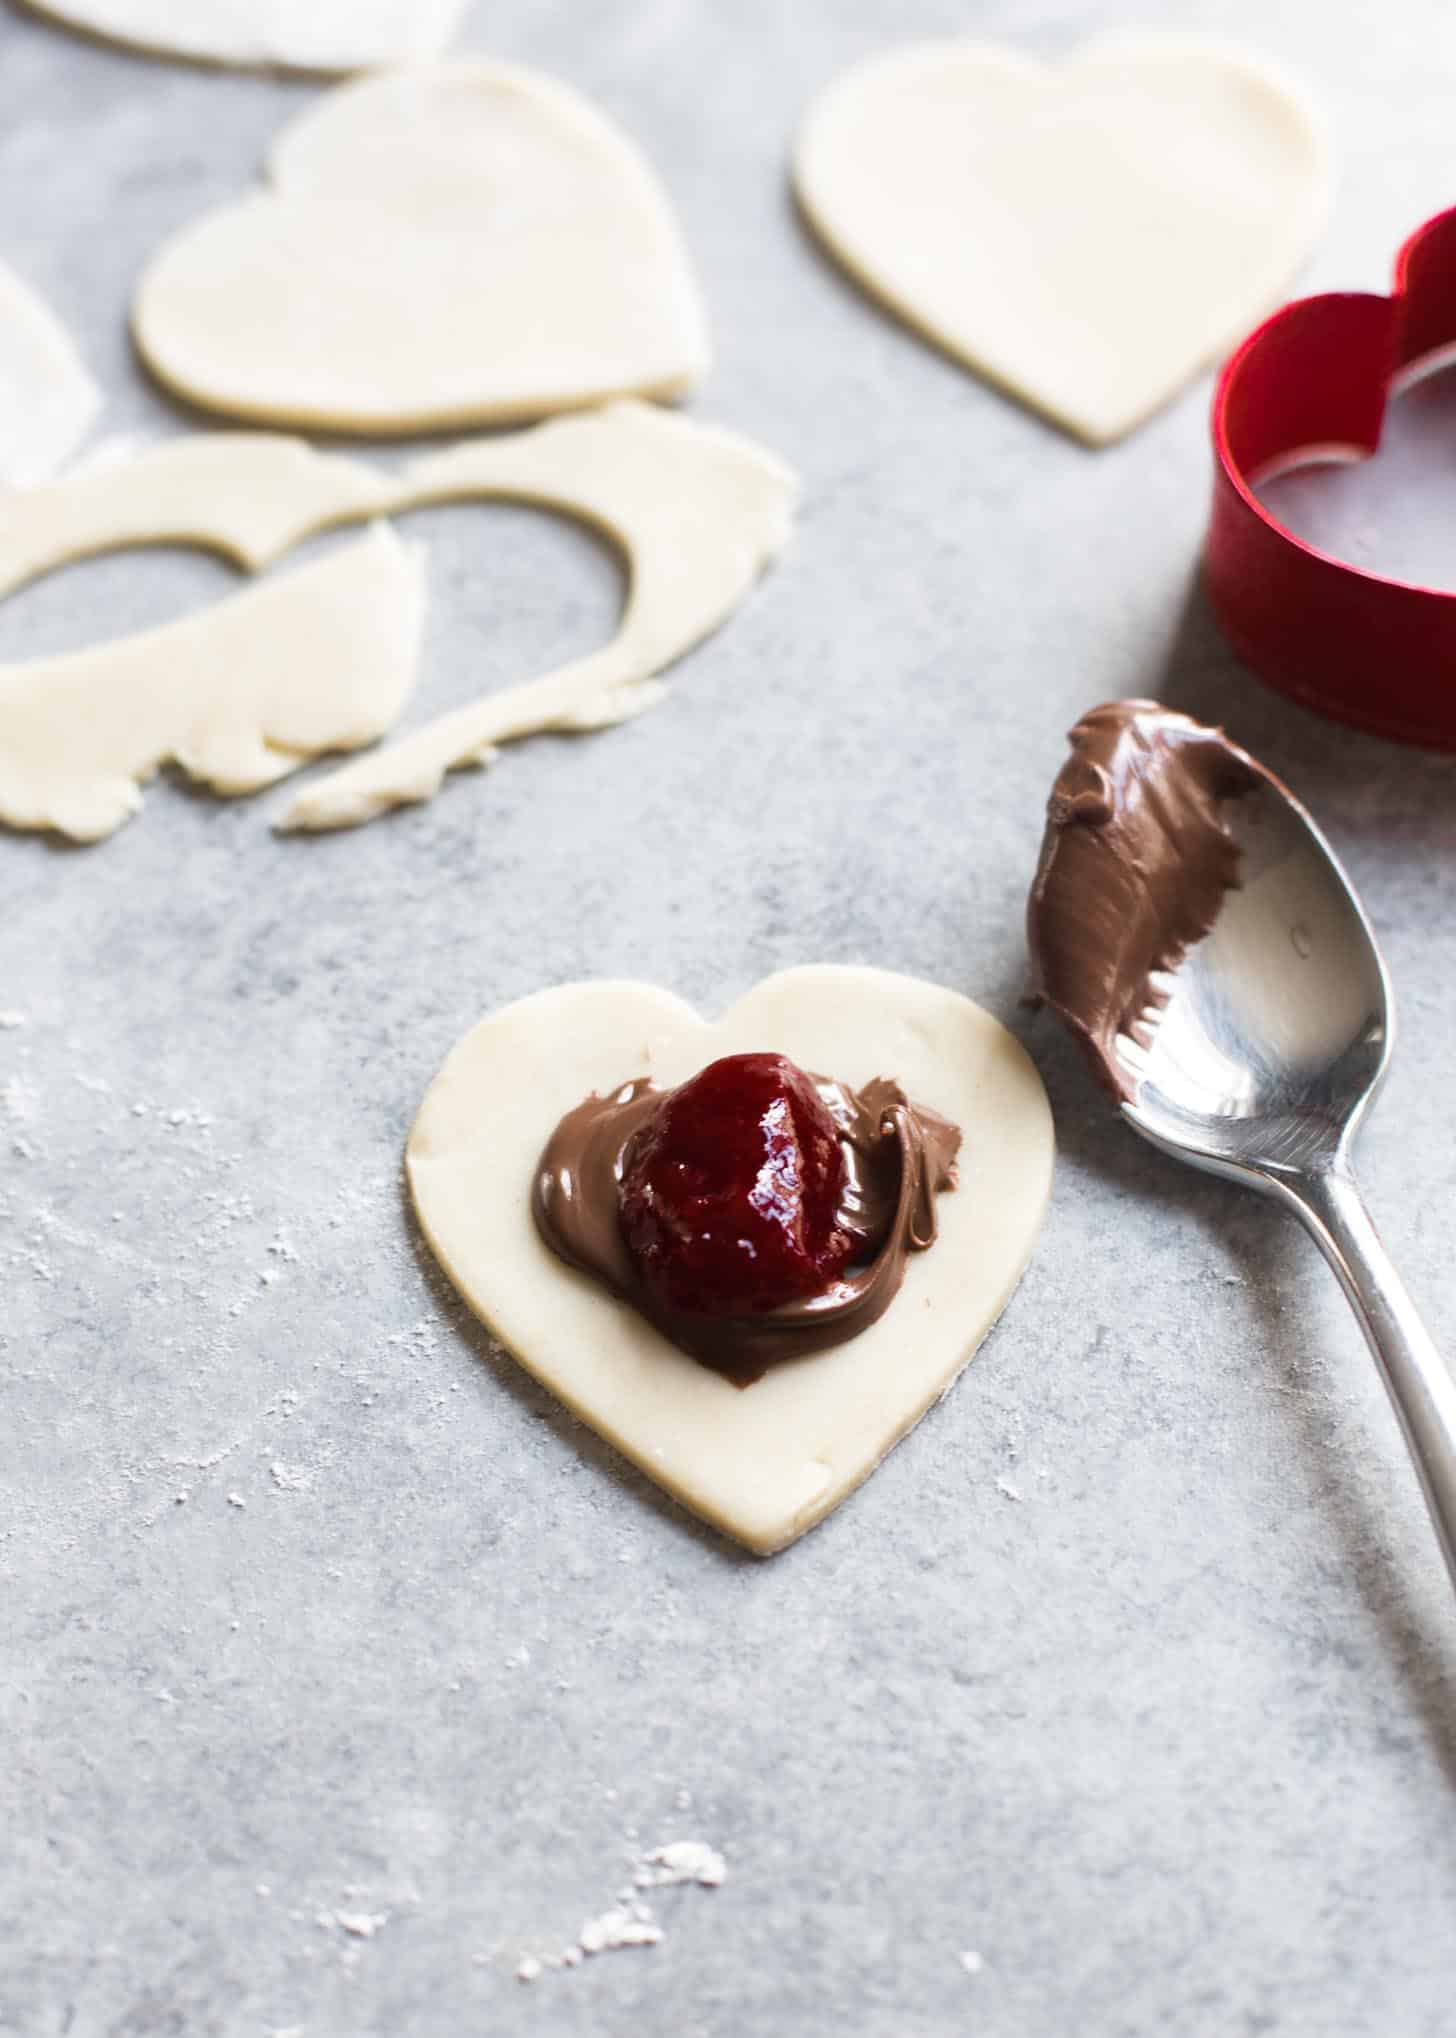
(1087, 236)
(442, 245)
(238, 695)
(699, 513)
(304, 35)
(248, 495)
(47, 400)
(766, 1463)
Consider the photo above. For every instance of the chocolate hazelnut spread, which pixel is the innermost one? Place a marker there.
(1135, 862)
(898, 1156)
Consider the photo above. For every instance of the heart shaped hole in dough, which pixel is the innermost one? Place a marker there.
(87, 602)
(763, 1463)
(697, 513)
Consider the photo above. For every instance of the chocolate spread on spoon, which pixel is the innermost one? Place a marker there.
(1135, 863)
(898, 1156)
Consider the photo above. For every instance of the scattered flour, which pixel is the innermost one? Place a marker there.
(290, 1478)
(629, 1921)
(681, 1861)
(362, 1924)
(628, 1924)
(357, 1924)
(18, 1100)
(190, 1116)
(10, 1021)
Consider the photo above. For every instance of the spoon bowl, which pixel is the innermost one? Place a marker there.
(1258, 1058)
(1277, 1028)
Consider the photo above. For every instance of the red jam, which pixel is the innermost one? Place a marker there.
(730, 1191)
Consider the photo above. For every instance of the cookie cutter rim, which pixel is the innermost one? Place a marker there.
(1312, 384)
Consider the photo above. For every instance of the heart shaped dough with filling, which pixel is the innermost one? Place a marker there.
(307, 35)
(445, 244)
(766, 1462)
(1087, 236)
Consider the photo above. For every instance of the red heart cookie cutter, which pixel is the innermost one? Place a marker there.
(1314, 380)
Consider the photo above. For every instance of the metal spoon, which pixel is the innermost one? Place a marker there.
(1276, 1033)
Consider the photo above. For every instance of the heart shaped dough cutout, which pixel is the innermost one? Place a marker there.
(442, 245)
(766, 1462)
(1087, 236)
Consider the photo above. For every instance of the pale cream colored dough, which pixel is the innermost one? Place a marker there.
(248, 495)
(238, 695)
(699, 512)
(1087, 236)
(304, 35)
(763, 1463)
(48, 402)
(441, 245)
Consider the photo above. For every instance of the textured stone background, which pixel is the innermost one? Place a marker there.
(1172, 1740)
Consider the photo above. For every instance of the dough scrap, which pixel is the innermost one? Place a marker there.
(249, 495)
(239, 694)
(303, 35)
(1087, 236)
(48, 402)
(764, 1464)
(698, 511)
(442, 245)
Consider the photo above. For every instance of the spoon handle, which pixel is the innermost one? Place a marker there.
(1420, 1386)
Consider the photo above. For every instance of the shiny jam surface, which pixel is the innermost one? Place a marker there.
(729, 1193)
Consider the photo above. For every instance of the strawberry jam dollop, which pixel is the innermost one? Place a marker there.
(730, 1191)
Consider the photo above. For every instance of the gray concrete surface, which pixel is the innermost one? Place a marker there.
(312, 1604)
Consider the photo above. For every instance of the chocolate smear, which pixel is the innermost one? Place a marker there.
(1135, 863)
(898, 1157)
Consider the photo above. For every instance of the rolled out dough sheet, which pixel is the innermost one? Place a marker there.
(763, 1463)
(697, 511)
